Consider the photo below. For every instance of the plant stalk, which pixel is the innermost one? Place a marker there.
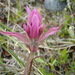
(28, 67)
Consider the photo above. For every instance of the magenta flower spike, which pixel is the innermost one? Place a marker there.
(34, 27)
(34, 30)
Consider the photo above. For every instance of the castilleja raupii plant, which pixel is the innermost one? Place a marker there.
(34, 34)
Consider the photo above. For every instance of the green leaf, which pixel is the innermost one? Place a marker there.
(44, 72)
(64, 52)
(53, 62)
(41, 60)
(1, 40)
(4, 27)
(15, 56)
(65, 58)
(71, 31)
(1, 63)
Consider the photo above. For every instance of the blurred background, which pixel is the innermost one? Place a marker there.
(58, 51)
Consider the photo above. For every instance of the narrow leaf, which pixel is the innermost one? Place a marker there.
(18, 35)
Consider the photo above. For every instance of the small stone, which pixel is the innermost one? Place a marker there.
(55, 5)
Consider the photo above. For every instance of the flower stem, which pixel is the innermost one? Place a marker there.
(29, 64)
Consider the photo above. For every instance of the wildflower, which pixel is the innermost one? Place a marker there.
(34, 30)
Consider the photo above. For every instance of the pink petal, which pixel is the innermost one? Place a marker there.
(41, 29)
(37, 13)
(29, 13)
(51, 31)
(31, 31)
(35, 20)
(28, 10)
(17, 35)
(35, 26)
(26, 28)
